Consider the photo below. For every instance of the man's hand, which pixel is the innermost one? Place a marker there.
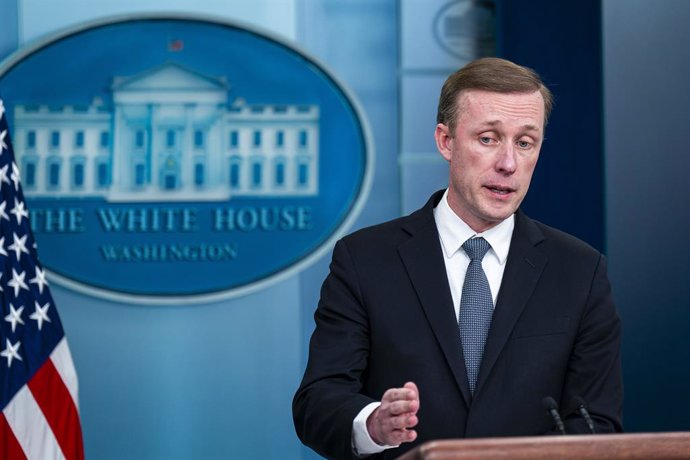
(390, 423)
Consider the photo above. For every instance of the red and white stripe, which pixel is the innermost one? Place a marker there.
(42, 420)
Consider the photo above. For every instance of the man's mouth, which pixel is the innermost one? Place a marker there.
(500, 190)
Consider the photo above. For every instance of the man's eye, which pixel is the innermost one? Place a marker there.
(524, 144)
(485, 140)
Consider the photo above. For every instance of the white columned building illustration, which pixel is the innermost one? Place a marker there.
(169, 135)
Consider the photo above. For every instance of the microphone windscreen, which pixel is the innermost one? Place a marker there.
(549, 403)
(579, 401)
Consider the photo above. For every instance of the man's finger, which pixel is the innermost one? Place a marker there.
(402, 422)
(399, 436)
(412, 386)
(402, 407)
(396, 394)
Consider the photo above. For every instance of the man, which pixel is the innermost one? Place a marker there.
(459, 319)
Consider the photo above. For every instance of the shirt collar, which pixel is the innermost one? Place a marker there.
(454, 231)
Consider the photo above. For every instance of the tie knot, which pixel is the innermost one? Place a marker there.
(476, 248)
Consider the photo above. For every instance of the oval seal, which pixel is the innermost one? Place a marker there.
(168, 159)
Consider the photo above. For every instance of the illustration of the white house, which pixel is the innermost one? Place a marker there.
(170, 134)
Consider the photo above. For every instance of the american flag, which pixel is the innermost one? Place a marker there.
(38, 383)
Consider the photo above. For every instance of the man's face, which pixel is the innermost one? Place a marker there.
(492, 154)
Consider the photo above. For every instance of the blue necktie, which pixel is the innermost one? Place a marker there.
(476, 309)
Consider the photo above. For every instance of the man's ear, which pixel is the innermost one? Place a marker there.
(444, 140)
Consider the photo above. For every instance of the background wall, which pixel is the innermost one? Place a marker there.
(562, 41)
(205, 381)
(646, 74)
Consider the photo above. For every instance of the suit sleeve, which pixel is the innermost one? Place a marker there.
(329, 397)
(594, 370)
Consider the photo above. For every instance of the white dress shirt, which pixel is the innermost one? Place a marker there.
(453, 232)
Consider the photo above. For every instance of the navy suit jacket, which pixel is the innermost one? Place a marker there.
(386, 317)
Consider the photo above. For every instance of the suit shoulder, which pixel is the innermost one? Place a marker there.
(400, 228)
(560, 241)
(385, 231)
(391, 232)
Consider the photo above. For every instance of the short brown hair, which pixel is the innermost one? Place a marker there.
(489, 74)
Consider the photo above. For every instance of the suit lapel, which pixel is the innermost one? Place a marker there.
(523, 270)
(423, 259)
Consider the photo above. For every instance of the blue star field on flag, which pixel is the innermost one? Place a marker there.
(29, 325)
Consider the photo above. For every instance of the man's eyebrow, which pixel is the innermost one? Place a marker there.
(527, 127)
(531, 127)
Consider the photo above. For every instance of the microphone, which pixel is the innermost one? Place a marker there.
(552, 408)
(582, 409)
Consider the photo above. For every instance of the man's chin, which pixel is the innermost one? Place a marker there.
(495, 217)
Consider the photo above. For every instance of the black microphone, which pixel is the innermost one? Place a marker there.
(582, 409)
(550, 405)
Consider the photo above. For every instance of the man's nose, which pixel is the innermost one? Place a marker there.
(506, 160)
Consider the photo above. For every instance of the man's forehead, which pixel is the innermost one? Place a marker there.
(497, 107)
